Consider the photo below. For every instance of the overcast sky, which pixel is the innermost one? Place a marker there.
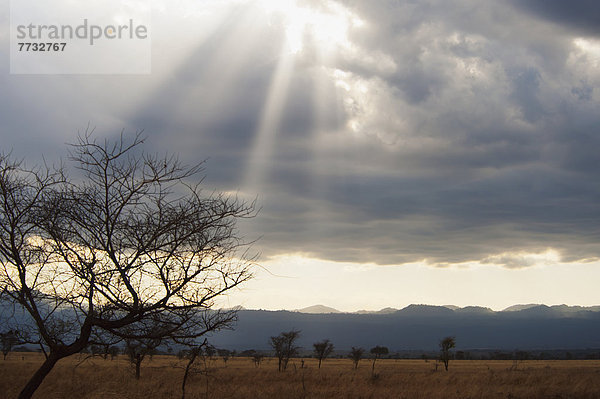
(416, 151)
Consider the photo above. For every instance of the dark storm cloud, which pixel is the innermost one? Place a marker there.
(490, 164)
(449, 131)
(579, 15)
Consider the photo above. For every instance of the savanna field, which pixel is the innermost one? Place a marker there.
(161, 377)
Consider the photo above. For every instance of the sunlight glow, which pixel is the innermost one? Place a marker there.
(299, 280)
(591, 48)
(325, 25)
(261, 153)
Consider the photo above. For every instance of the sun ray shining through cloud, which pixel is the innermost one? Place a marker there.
(324, 28)
(260, 155)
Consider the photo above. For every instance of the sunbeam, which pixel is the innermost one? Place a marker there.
(309, 29)
(261, 152)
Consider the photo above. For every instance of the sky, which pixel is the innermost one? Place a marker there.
(408, 151)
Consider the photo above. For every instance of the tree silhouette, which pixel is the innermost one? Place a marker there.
(202, 352)
(8, 340)
(378, 351)
(356, 354)
(225, 354)
(137, 350)
(322, 350)
(285, 348)
(130, 243)
(445, 345)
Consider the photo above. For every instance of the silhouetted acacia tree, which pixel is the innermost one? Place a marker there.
(257, 359)
(378, 351)
(137, 349)
(190, 355)
(128, 241)
(445, 345)
(225, 354)
(285, 348)
(356, 354)
(8, 340)
(322, 350)
(203, 353)
(254, 355)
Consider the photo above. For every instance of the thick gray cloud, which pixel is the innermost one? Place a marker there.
(445, 131)
(579, 15)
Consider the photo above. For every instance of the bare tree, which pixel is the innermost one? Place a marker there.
(127, 244)
(8, 340)
(378, 351)
(322, 350)
(225, 354)
(257, 359)
(191, 357)
(356, 354)
(285, 347)
(203, 353)
(137, 349)
(445, 345)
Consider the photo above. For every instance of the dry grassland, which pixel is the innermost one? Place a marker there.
(238, 378)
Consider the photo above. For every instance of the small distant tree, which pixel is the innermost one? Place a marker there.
(224, 354)
(210, 351)
(137, 349)
(198, 362)
(356, 354)
(378, 351)
(257, 359)
(190, 355)
(322, 350)
(285, 348)
(445, 345)
(254, 355)
(113, 351)
(8, 340)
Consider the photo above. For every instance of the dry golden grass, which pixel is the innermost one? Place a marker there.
(161, 378)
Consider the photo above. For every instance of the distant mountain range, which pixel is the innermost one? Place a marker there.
(420, 327)
(316, 309)
(413, 328)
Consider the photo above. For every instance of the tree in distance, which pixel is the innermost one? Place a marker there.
(285, 347)
(356, 354)
(130, 247)
(322, 350)
(8, 340)
(445, 345)
(225, 354)
(257, 359)
(378, 351)
(203, 352)
(137, 350)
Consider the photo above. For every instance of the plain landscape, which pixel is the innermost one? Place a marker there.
(240, 378)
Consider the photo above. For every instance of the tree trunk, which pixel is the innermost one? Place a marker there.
(138, 363)
(185, 377)
(188, 366)
(38, 377)
(320, 363)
